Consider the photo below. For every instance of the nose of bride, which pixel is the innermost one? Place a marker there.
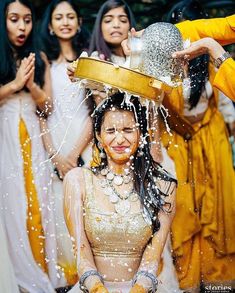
(119, 137)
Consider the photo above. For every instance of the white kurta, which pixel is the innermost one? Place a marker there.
(13, 198)
(70, 112)
(66, 125)
(7, 277)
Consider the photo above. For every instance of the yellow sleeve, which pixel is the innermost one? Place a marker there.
(225, 78)
(220, 29)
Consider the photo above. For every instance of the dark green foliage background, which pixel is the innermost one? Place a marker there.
(145, 11)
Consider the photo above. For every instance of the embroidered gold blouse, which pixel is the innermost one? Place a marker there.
(110, 234)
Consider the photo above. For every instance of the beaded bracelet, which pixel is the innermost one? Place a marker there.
(151, 276)
(85, 276)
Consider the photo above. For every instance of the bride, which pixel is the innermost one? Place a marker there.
(119, 213)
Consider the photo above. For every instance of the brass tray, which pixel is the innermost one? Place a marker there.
(120, 77)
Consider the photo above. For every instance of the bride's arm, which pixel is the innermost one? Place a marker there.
(152, 253)
(73, 212)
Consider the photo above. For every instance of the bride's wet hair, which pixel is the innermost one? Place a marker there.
(145, 170)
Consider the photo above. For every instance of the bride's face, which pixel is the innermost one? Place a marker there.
(119, 135)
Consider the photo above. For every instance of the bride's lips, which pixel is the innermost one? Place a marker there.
(120, 149)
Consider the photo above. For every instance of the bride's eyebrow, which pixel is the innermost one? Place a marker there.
(110, 128)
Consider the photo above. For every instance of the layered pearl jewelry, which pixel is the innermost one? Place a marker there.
(121, 202)
(116, 178)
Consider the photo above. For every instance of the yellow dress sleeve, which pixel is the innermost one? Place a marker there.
(225, 78)
(220, 29)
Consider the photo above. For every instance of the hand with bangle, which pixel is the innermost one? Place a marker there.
(98, 288)
(204, 46)
(137, 288)
(92, 281)
(144, 281)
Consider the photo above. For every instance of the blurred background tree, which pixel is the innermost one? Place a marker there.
(145, 11)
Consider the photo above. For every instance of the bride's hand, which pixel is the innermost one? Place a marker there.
(138, 289)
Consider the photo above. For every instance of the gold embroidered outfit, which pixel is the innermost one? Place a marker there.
(111, 234)
(115, 242)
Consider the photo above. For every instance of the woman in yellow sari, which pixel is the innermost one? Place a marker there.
(203, 238)
(225, 76)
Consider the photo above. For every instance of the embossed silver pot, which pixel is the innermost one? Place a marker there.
(159, 41)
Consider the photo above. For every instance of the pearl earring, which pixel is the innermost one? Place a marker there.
(102, 153)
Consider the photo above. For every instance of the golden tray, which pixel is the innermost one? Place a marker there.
(120, 77)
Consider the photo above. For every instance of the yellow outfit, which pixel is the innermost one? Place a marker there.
(225, 78)
(203, 235)
(34, 223)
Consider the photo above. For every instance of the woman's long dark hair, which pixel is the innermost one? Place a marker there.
(145, 169)
(7, 50)
(198, 67)
(50, 43)
(97, 40)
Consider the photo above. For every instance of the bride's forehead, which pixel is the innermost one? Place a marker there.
(117, 117)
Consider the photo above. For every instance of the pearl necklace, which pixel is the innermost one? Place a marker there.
(121, 202)
(117, 179)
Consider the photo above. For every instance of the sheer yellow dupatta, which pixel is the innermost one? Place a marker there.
(74, 192)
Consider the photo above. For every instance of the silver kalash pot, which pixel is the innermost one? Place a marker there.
(152, 53)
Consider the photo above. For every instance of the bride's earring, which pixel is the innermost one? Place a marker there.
(102, 153)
